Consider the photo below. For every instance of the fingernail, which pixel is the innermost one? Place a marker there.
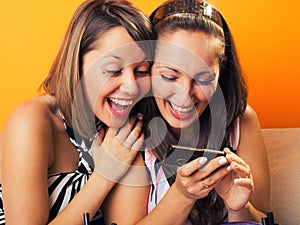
(228, 168)
(202, 160)
(239, 180)
(228, 156)
(222, 161)
(140, 116)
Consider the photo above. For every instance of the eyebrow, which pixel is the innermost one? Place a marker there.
(170, 68)
(204, 72)
(113, 56)
(121, 59)
(195, 76)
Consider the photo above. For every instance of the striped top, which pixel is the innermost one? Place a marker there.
(62, 187)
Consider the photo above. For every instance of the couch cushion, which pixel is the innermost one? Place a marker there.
(283, 148)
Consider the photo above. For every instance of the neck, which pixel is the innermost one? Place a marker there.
(188, 135)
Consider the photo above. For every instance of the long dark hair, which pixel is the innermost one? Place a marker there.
(232, 89)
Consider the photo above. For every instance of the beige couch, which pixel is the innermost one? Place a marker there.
(283, 148)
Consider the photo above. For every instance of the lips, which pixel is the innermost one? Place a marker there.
(119, 107)
(181, 109)
(180, 112)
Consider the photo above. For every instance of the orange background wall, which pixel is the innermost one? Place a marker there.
(266, 34)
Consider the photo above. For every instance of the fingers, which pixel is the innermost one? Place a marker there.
(134, 134)
(227, 174)
(198, 177)
(245, 182)
(201, 170)
(215, 163)
(191, 167)
(243, 171)
(203, 166)
(124, 131)
(130, 133)
(238, 165)
(212, 179)
(233, 157)
(214, 170)
(138, 143)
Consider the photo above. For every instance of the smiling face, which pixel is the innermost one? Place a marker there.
(185, 75)
(116, 76)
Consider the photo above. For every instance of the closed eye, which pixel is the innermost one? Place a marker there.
(168, 78)
(143, 69)
(167, 73)
(204, 78)
(205, 82)
(114, 72)
(142, 72)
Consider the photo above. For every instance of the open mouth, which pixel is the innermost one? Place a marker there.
(181, 110)
(181, 113)
(119, 106)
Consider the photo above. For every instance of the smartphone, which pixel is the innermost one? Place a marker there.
(180, 155)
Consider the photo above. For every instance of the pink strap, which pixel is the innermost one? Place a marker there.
(235, 136)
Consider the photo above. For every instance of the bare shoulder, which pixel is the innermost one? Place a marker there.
(28, 132)
(30, 123)
(251, 135)
(32, 112)
(250, 119)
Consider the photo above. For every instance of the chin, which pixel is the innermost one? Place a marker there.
(180, 124)
(116, 123)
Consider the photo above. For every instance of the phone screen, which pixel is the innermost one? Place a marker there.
(180, 155)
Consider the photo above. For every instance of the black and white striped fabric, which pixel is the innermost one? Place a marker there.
(2, 217)
(62, 187)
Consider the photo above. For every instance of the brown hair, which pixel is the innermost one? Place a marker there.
(91, 19)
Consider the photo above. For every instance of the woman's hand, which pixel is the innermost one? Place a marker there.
(114, 151)
(197, 178)
(236, 188)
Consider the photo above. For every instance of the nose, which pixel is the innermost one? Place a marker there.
(184, 92)
(129, 83)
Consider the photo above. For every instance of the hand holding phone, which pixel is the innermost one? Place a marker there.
(181, 155)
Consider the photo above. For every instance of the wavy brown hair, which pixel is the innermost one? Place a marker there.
(91, 20)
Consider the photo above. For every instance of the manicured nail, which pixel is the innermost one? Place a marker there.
(228, 168)
(222, 161)
(140, 116)
(236, 180)
(202, 160)
(239, 180)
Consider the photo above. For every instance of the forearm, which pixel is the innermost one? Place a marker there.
(173, 209)
(247, 213)
(89, 199)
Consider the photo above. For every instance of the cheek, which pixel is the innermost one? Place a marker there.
(161, 89)
(95, 83)
(144, 84)
(100, 99)
(205, 93)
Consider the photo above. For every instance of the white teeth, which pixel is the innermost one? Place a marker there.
(181, 109)
(121, 102)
